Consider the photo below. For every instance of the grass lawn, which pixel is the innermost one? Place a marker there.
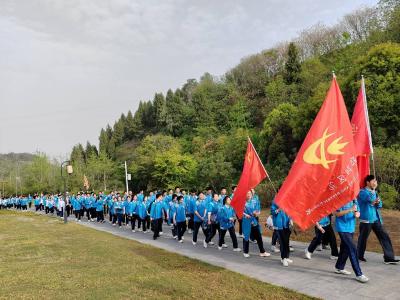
(40, 257)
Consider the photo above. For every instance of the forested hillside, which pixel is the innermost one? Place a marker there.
(195, 135)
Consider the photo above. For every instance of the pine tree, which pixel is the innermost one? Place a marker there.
(292, 65)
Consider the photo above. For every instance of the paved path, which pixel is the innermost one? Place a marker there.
(315, 277)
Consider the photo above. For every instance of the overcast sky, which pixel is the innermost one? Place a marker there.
(67, 68)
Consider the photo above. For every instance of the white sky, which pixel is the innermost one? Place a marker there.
(67, 68)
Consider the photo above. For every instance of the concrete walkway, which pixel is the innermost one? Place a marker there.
(314, 277)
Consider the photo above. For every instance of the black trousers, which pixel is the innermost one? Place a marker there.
(78, 214)
(251, 233)
(180, 228)
(197, 226)
(330, 237)
(274, 238)
(284, 236)
(145, 222)
(255, 230)
(93, 213)
(191, 221)
(240, 225)
(100, 216)
(157, 226)
(212, 230)
(232, 234)
(118, 218)
(134, 217)
(381, 234)
(24, 207)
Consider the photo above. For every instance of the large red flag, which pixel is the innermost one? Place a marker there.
(253, 173)
(324, 175)
(362, 134)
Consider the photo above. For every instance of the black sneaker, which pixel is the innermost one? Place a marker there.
(362, 259)
(391, 261)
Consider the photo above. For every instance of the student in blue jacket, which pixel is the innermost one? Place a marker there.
(180, 218)
(345, 226)
(132, 208)
(199, 217)
(100, 209)
(282, 226)
(77, 205)
(371, 219)
(250, 225)
(119, 211)
(143, 215)
(212, 219)
(156, 216)
(172, 205)
(322, 227)
(226, 218)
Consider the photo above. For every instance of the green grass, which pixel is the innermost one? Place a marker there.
(40, 257)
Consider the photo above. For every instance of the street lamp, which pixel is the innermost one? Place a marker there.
(69, 172)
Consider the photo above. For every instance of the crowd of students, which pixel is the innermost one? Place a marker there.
(213, 213)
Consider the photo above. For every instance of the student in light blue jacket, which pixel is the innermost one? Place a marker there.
(345, 225)
(226, 218)
(100, 209)
(132, 208)
(371, 219)
(323, 227)
(282, 226)
(180, 218)
(156, 215)
(250, 225)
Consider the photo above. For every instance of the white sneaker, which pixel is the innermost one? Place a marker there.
(291, 249)
(190, 231)
(246, 255)
(275, 249)
(319, 248)
(175, 237)
(240, 235)
(205, 244)
(307, 254)
(180, 241)
(362, 278)
(265, 254)
(219, 248)
(224, 246)
(327, 247)
(253, 241)
(285, 262)
(237, 249)
(183, 238)
(211, 243)
(160, 233)
(194, 243)
(289, 260)
(133, 230)
(120, 227)
(333, 257)
(344, 272)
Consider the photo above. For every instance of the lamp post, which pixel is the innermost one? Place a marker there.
(69, 172)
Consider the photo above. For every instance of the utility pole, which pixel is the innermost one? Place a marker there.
(126, 178)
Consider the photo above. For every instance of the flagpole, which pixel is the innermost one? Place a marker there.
(369, 126)
(272, 184)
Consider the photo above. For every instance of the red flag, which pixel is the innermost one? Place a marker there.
(324, 175)
(362, 134)
(253, 173)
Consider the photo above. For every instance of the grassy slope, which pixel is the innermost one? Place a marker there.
(40, 257)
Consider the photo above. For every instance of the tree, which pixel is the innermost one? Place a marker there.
(292, 65)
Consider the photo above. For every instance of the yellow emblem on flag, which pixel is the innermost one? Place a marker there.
(335, 148)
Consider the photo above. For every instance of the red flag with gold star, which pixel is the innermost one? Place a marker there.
(253, 173)
(324, 175)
